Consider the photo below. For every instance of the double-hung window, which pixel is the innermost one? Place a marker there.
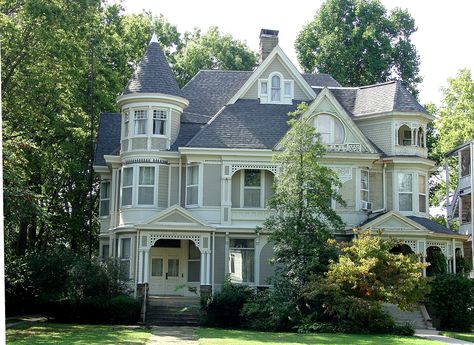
(422, 193)
(264, 89)
(125, 253)
(242, 260)
(126, 122)
(146, 185)
(159, 122)
(140, 118)
(364, 186)
(105, 252)
(104, 199)
(276, 88)
(252, 188)
(127, 186)
(405, 192)
(194, 256)
(192, 185)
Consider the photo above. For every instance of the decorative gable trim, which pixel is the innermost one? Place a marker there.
(174, 218)
(277, 51)
(378, 223)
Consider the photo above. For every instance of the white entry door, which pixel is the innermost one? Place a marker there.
(167, 272)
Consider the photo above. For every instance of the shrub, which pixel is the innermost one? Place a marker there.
(452, 299)
(463, 265)
(437, 265)
(223, 308)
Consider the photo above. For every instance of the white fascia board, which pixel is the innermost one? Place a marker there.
(133, 97)
(409, 160)
(101, 169)
(149, 154)
(277, 51)
(224, 152)
(386, 114)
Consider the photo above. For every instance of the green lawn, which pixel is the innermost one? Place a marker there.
(51, 333)
(461, 336)
(211, 336)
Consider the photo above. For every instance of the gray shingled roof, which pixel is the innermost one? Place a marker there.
(431, 225)
(378, 98)
(246, 124)
(108, 136)
(153, 74)
(320, 79)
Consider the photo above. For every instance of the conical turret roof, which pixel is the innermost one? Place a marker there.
(153, 74)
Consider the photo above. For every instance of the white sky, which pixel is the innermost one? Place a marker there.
(444, 39)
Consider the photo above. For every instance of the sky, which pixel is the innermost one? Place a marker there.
(444, 40)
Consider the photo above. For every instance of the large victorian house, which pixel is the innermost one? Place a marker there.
(186, 173)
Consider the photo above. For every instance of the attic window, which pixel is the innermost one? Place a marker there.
(330, 129)
(275, 89)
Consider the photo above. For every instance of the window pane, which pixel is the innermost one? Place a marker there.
(126, 196)
(263, 88)
(323, 124)
(405, 202)
(364, 180)
(145, 195)
(193, 175)
(192, 195)
(422, 184)
(405, 182)
(287, 88)
(194, 252)
(242, 243)
(105, 190)
(252, 197)
(105, 252)
(194, 271)
(242, 265)
(173, 267)
(276, 94)
(125, 269)
(104, 207)
(147, 176)
(276, 82)
(422, 203)
(125, 254)
(252, 178)
(338, 132)
(127, 177)
(157, 267)
(364, 195)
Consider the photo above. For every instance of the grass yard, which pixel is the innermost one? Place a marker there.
(461, 336)
(211, 336)
(51, 333)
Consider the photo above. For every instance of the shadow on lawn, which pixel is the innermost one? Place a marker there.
(47, 333)
(251, 337)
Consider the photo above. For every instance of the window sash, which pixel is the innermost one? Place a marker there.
(242, 264)
(159, 122)
(276, 88)
(127, 186)
(287, 88)
(263, 88)
(421, 193)
(140, 117)
(104, 209)
(364, 185)
(192, 185)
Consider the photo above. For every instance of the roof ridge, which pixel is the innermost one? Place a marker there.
(223, 70)
(378, 84)
(206, 125)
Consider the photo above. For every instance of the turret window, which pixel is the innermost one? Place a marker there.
(126, 122)
(140, 117)
(159, 122)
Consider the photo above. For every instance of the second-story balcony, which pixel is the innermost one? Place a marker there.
(410, 150)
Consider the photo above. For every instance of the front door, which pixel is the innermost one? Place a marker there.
(166, 273)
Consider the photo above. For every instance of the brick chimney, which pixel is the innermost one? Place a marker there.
(268, 41)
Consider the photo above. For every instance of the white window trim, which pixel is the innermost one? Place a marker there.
(147, 121)
(104, 199)
(199, 186)
(135, 179)
(122, 186)
(166, 126)
(332, 132)
(256, 272)
(262, 189)
(425, 194)
(155, 183)
(364, 190)
(284, 99)
(119, 254)
(126, 114)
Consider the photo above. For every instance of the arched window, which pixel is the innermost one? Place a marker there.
(276, 89)
(404, 136)
(421, 137)
(330, 128)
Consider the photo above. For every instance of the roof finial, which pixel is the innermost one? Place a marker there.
(154, 39)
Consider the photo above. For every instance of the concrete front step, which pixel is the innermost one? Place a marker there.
(414, 317)
(173, 311)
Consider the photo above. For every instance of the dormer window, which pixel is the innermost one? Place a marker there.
(275, 89)
(330, 129)
(159, 122)
(140, 118)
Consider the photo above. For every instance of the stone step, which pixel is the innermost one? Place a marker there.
(172, 323)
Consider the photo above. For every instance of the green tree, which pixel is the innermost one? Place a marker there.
(359, 43)
(212, 50)
(366, 275)
(303, 220)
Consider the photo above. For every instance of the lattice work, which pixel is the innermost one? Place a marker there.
(411, 244)
(272, 168)
(195, 238)
(441, 245)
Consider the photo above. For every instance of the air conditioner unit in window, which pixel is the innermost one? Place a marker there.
(366, 206)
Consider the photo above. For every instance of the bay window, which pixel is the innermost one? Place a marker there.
(127, 186)
(242, 260)
(140, 119)
(105, 252)
(159, 122)
(104, 209)
(422, 193)
(405, 192)
(146, 186)
(252, 188)
(192, 185)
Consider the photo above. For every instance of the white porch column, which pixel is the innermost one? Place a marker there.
(424, 268)
(202, 279)
(454, 255)
(146, 264)
(140, 266)
(208, 268)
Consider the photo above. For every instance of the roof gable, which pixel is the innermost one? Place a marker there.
(394, 222)
(177, 217)
(288, 65)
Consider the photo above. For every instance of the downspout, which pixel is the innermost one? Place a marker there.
(446, 170)
(472, 203)
(213, 256)
(136, 263)
(179, 181)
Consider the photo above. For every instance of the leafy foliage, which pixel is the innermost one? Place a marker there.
(212, 50)
(452, 297)
(358, 43)
(437, 262)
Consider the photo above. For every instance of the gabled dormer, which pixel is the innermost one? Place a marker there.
(151, 104)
